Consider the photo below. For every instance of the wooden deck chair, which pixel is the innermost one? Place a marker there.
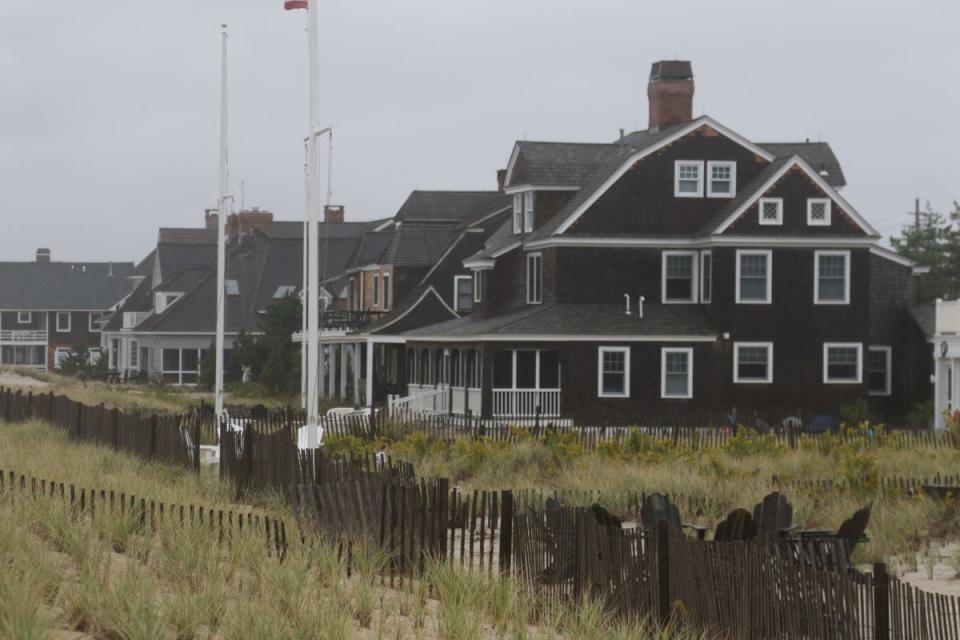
(738, 525)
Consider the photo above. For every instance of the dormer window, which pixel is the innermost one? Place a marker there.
(462, 293)
(523, 212)
(818, 212)
(688, 179)
(534, 279)
(723, 179)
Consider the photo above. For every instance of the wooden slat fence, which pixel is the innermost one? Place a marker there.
(171, 440)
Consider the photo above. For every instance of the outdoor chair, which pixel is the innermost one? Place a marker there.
(657, 507)
(605, 518)
(820, 424)
(774, 516)
(738, 525)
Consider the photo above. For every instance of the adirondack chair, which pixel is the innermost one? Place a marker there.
(605, 518)
(774, 516)
(738, 525)
(853, 530)
(657, 507)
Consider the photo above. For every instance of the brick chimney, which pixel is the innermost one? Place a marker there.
(501, 178)
(43, 255)
(670, 91)
(333, 213)
(210, 219)
(246, 221)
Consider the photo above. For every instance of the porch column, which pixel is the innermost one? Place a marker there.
(343, 371)
(938, 389)
(486, 383)
(332, 381)
(370, 347)
(355, 361)
(111, 361)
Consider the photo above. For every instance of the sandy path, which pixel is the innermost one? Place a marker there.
(13, 379)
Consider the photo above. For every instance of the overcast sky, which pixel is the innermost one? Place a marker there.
(109, 110)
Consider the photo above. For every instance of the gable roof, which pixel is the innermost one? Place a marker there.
(63, 286)
(818, 155)
(446, 206)
(738, 205)
(555, 164)
(425, 299)
(417, 245)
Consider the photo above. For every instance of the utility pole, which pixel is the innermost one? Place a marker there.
(221, 228)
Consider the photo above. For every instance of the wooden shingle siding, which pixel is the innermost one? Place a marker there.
(642, 201)
(794, 188)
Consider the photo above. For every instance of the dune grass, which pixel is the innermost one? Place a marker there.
(107, 578)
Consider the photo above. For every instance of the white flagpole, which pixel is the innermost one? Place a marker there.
(313, 218)
(221, 227)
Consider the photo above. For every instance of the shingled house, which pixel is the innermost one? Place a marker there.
(48, 309)
(679, 271)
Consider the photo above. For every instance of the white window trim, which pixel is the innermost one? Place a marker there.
(385, 284)
(676, 178)
(779, 219)
(888, 351)
(626, 372)
(768, 298)
(816, 277)
(375, 284)
(93, 327)
(59, 354)
(694, 274)
(517, 212)
(456, 292)
(528, 212)
(133, 355)
(69, 317)
(477, 282)
(20, 316)
(530, 257)
(663, 371)
(843, 345)
(736, 363)
(703, 279)
(733, 178)
(827, 216)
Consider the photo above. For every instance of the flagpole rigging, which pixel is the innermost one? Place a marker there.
(221, 228)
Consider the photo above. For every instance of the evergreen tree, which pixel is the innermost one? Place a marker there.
(934, 241)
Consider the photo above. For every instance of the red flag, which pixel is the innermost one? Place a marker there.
(294, 4)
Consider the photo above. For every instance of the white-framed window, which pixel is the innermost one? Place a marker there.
(180, 366)
(754, 277)
(63, 321)
(386, 292)
(534, 278)
(518, 211)
(93, 356)
(94, 322)
(831, 277)
(613, 372)
(133, 355)
(706, 276)
(842, 363)
(771, 211)
(528, 212)
(676, 372)
(753, 362)
(679, 276)
(477, 284)
(462, 293)
(59, 355)
(688, 179)
(722, 179)
(880, 371)
(24, 317)
(818, 212)
(376, 288)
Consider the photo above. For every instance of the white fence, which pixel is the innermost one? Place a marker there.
(24, 336)
(523, 403)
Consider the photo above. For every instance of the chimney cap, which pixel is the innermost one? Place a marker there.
(671, 70)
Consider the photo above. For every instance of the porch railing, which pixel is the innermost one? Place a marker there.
(523, 403)
(23, 335)
(421, 400)
(347, 320)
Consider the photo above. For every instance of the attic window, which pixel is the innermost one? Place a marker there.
(771, 211)
(283, 291)
(523, 212)
(232, 287)
(688, 179)
(818, 212)
(723, 179)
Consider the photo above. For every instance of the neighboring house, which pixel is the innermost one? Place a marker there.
(941, 324)
(406, 274)
(680, 273)
(161, 330)
(47, 309)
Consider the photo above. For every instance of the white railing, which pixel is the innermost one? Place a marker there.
(421, 399)
(463, 401)
(133, 318)
(523, 403)
(24, 335)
